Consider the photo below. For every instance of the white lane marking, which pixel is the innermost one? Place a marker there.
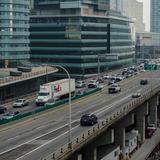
(45, 143)
(109, 106)
(35, 138)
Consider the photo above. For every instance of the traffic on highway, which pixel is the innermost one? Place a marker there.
(80, 87)
(51, 128)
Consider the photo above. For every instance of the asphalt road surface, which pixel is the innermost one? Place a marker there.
(40, 135)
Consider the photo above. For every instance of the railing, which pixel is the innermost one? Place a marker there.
(13, 79)
(47, 107)
(86, 136)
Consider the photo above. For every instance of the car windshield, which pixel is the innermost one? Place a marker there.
(79, 82)
(93, 81)
(43, 94)
(19, 101)
(86, 115)
(114, 85)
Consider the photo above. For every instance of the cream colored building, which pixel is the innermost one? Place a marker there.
(134, 10)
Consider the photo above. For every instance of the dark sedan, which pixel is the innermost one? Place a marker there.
(144, 82)
(2, 109)
(88, 120)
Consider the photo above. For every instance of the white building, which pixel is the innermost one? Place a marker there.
(147, 45)
(134, 10)
(131, 140)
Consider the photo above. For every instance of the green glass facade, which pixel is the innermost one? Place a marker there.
(75, 40)
(14, 31)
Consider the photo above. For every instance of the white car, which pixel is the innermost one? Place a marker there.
(107, 77)
(93, 83)
(114, 88)
(80, 84)
(10, 115)
(21, 103)
(136, 94)
(100, 85)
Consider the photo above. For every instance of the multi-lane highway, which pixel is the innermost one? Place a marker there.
(39, 136)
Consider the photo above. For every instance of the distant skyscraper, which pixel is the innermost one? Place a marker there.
(14, 33)
(134, 9)
(75, 34)
(31, 4)
(155, 16)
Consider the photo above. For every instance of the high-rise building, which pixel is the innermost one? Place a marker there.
(31, 4)
(134, 9)
(14, 32)
(155, 16)
(76, 34)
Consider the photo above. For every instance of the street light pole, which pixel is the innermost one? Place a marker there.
(150, 58)
(98, 65)
(70, 105)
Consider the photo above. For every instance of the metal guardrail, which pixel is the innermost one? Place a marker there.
(20, 116)
(26, 76)
(86, 136)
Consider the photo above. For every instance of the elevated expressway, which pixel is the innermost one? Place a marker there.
(45, 136)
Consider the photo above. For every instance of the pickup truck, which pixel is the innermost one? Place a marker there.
(114, 88)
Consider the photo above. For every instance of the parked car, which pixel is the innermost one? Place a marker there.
(10, 115)
(80, 84)
(144, 82)
(88, 120)
(150, 129)
(20, 103)
(2, 109)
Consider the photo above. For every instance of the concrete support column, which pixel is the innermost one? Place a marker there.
(119, 129)
(89, 153)
(76, 156)
(120, 136)
(140, 126)
(106, 138)
(153, 103)
(140, 122)
(79, 157)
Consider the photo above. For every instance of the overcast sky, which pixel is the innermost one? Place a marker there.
(146, 13)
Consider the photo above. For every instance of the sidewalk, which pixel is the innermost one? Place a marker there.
(147, 147)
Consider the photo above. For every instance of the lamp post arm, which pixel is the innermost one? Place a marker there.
(69, 138)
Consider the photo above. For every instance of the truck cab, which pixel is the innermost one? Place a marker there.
(42, 98)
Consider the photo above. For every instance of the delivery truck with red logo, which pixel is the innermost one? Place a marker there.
(55, 90)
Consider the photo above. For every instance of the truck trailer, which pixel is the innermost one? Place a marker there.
(55, 90)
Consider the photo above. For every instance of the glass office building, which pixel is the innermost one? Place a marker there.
(14, 32)
(77, 34)
(155, 16)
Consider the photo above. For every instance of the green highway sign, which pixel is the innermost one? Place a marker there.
(150, 67)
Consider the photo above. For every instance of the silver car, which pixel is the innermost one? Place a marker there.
(20, 103)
